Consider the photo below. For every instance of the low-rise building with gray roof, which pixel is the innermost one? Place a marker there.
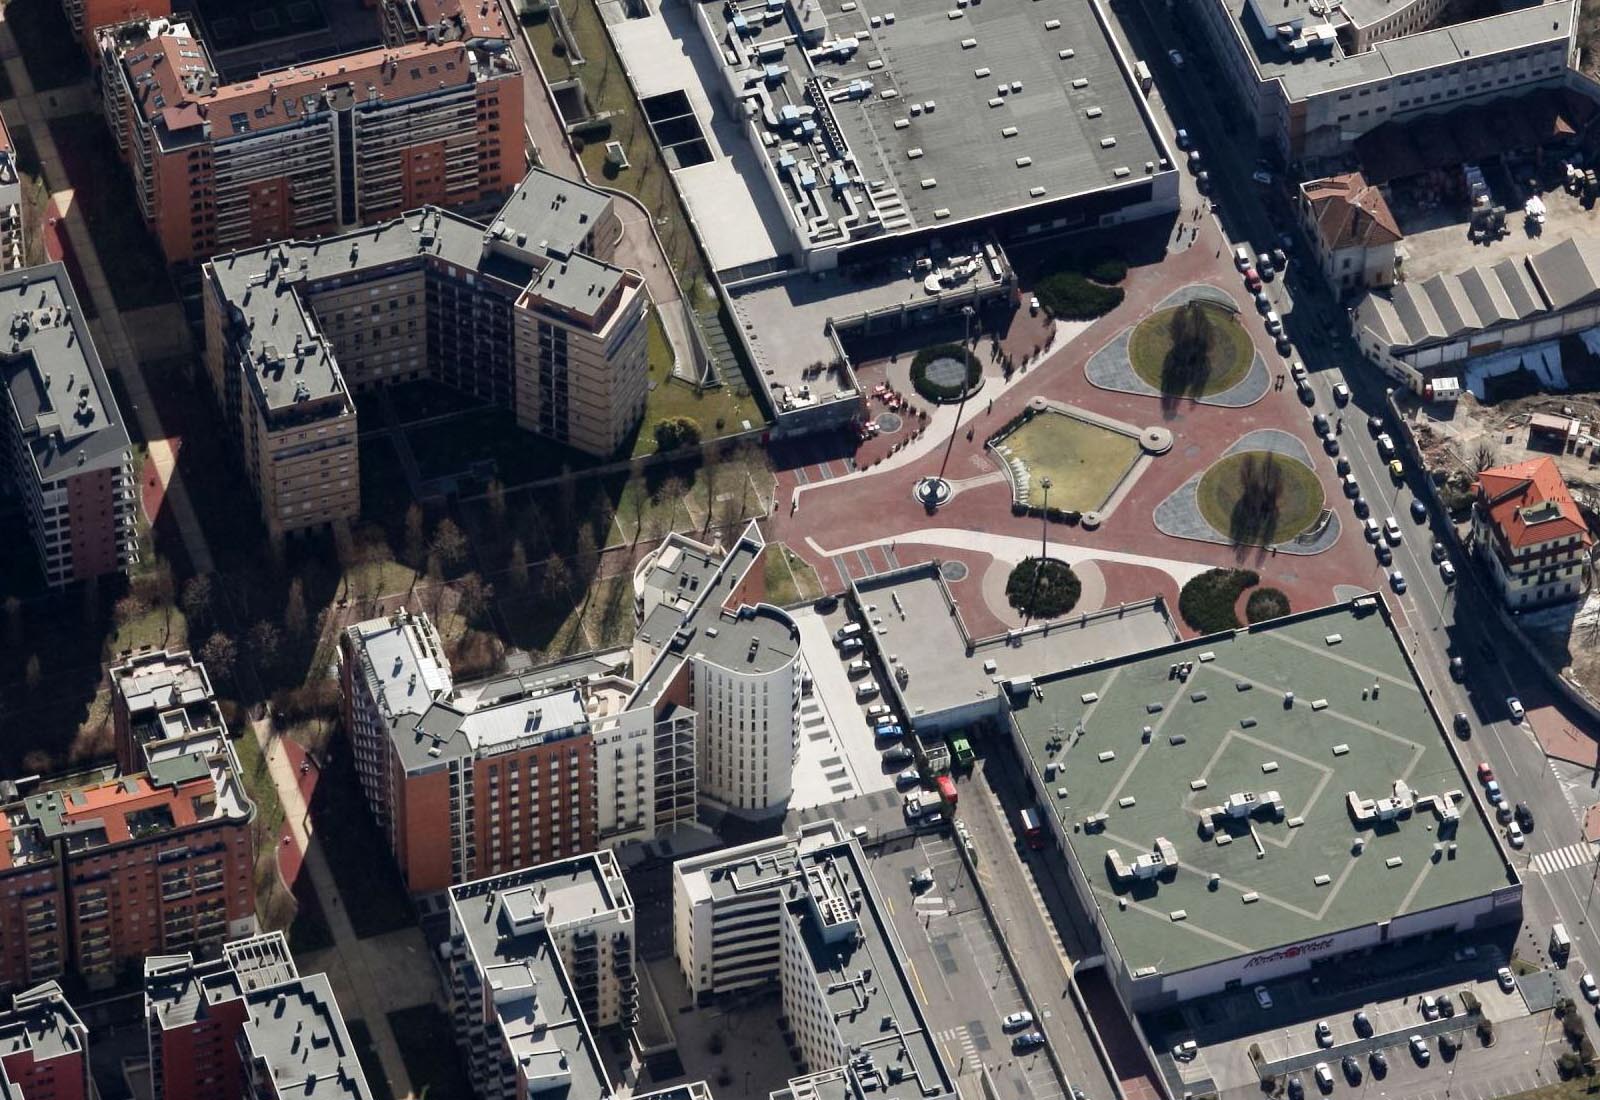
(1486, 319)
(64, 448)
(1315, 75)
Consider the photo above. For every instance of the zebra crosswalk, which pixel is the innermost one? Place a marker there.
(1573, 855)
(962, 1039)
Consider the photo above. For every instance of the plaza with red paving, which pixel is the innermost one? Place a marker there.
(852, 512)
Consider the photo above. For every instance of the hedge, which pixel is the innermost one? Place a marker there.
(932, 390)
(1069, 296)
(1111, 270)
(1043, 588)
(1264, 604)
(1207, 602)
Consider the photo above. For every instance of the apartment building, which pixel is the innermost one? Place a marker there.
(11, 243)
(524, 314)
(1530, 534)
(159, 859)
(64, 448)
(246, 1026)
(804, 913)
(707, 644)
(310, 149)
(1353, 230)
(1315, 75)
(441, 21)
(87, 16)
(44, 1048)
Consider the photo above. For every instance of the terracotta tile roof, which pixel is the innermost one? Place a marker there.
(172, 82)
(1529, 503)
(474, 18)
(1350, 213)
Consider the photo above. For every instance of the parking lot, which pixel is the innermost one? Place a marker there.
(837, 757)
(956, 964)
(1229, 1027)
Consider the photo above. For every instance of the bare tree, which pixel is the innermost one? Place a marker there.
(414, 548)
(587, 555)
(472, 598)
(671, 492)
(449, 545)
(556, 585)
(197, 604)
(1485, 455)
(517, 569)
(435, 586)
(219, 654)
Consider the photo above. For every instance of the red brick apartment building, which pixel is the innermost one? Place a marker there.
(246, 1025)
(309, 149)
(63, 446)
(88, 15)
(156, 860)
(44, 1048)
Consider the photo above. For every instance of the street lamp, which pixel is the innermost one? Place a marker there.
(1044, 520)
(936, 490)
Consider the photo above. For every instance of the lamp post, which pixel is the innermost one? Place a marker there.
(955, 429)
(1044, 520)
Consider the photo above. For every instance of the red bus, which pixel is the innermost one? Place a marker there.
(1032, 827)
(947, 791)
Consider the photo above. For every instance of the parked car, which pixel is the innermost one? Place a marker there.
(1524, 815)
(1262, 176)
(1419, 1049)
(1375, 425)
(1280, 259)
(1360, 507)
(1241, 257)
(889, 732)
(1202, 182)
(1331, 445)
(1321, 424)
(1397, 470)
(908, 778)
(1274, 323)
(1177, 63)
(1370, 528)
(1391, 531)
(1297, 371)
(897, 754)
(1493, 792)
(1516, 838)
(1485, 772)
(1028, 1040)
(1363, 1025)
(1419, 510)
(1324, 1076)
(877, 711)
(1182, 138)
(1384, 554)
(1437, 551)
(1507, 980)
(1263, 998)
(1352, 1069)
(1514, 705)
(866, 689)
(1397, 580)
(1342, 467)
(858, 667)
(1458, 669)
(1463, 724)
(1016, 1020)
(1341, 393)
(1324, 1034)
(1429, 1006)
(1591, 992)
(1379, 1063)
(1352, 487)
(1447, 571)
(922, 880)
(1297, 1091)
(1252, 281)
(1264, 265)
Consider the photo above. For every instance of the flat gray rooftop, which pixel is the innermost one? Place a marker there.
(298, 1030)
(916, 622)
(59, 395)
(1315, 71)
(1228, 730)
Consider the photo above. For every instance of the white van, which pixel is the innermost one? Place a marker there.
(846, 632)
(1241, 257)
(866, 689)
(1560, 945)
(1371, 529)
(1274, 322)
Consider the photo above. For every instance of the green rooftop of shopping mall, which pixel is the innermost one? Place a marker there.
(1256, 789)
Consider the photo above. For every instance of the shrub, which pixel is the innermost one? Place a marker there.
(677, 431)
(559, 48)
(1110, 270)
(1486, 1031)
(1207, 602)
(1043, 588)
(1264, 604)
(932, 390)
(1071, 297)
(1568, 1064)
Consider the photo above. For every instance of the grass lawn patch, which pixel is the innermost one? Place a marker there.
(1257, 498)
(1043, 588)
(789, 579)
(1266, 603)
(161, 628)
(258, 783)
(1083, 461)
(719, 410)
(367, 1055)
(427, 1044)
(133, 261)
(1207, 602)
(1224, 365)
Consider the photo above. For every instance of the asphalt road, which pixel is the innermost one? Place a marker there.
(1444, 621)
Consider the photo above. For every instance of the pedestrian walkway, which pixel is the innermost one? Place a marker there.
(111, 335)
(1562, 859)
(370, 1004)
(961, 1039)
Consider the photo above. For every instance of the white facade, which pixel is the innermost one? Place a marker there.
(749, 733)
(727, 932)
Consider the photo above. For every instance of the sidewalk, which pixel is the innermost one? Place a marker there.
(369, 1004)
(111, 336)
